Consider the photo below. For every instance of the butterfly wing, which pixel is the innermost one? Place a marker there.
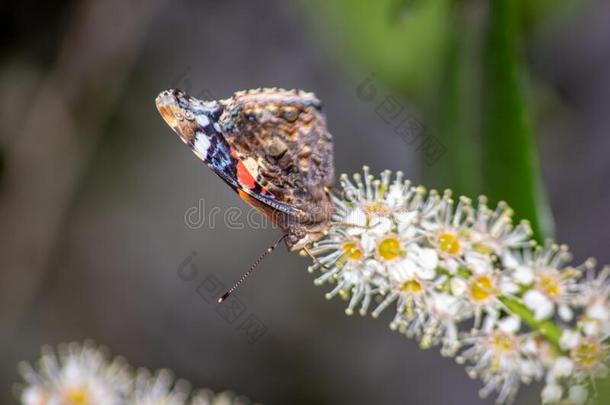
(271, 146)
(194, 121)
(281, 138)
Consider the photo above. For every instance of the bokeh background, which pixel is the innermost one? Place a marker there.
(94, 187)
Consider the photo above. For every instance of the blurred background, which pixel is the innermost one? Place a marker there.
(506, 98)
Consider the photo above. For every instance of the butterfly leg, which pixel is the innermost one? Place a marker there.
(314, 258)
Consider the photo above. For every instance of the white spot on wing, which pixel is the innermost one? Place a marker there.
(203, 120)
(201, 146)
(217, 127)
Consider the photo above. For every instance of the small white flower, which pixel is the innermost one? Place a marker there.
(594, 296)
(590, 357)
(493, 232)
(598, 310)
(569, 339)
(441, 326)
(565, 312)
(159, 389)
(477, 262)
(552, 282)
(35, 395)
(207, 397)
(562, 367)
(551, 393)
(83, 375)
(510, 324)
(498, 359)
(539, 303)
(427, 258)
(578, 394)
(523, 275)
(77, 374)
(458, 286)
(356, 217)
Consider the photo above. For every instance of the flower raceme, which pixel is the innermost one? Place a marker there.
(459, 276)
(83, 375)
(466, 278)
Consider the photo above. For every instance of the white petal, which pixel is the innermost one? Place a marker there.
(428, 258)
(450, 264)
(551, 393)
(352, 276)
(509, 260)
(530, 368)
(510, 324)
(578, 394)
(444, 305)
(407, 232)
(33, 396)
(368, 243)
(458, 286)
(402, 270)
(405, 218)
(530, 346)
(374, 266)
(490, 320)
(380, 225)
(598, 310)
(569, 339)
(539, 303)
(356, 217)
(426, 274)
(565, 313)
(478, 263)
(523, 275)
(562, 367)
(508, 288)
(394, 198)
(591, 327)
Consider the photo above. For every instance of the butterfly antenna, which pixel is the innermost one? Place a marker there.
(251, 269)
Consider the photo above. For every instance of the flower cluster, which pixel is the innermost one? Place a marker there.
(464, 277)
(84, 375)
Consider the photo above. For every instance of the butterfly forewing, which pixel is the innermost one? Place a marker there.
(269, 145)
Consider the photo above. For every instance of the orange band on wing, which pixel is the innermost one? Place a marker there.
(244, 177)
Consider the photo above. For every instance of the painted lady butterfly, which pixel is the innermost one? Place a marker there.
(269, 145)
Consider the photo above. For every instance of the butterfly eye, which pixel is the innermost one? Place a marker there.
(290, 115)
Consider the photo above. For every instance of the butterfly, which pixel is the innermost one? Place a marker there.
(271, 146)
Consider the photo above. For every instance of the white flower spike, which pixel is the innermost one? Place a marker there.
(84, 375)
(467, 279)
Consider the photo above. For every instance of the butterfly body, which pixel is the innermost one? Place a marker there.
(271, 146)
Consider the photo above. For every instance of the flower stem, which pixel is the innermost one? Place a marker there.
(547, 329)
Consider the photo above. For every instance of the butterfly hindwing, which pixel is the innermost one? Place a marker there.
(282, 139)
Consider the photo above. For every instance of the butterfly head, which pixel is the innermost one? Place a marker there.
(189, 117)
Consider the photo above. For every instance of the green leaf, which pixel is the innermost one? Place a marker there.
(550, 331)
(402, 41)
(456, 110)
(510, 167)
